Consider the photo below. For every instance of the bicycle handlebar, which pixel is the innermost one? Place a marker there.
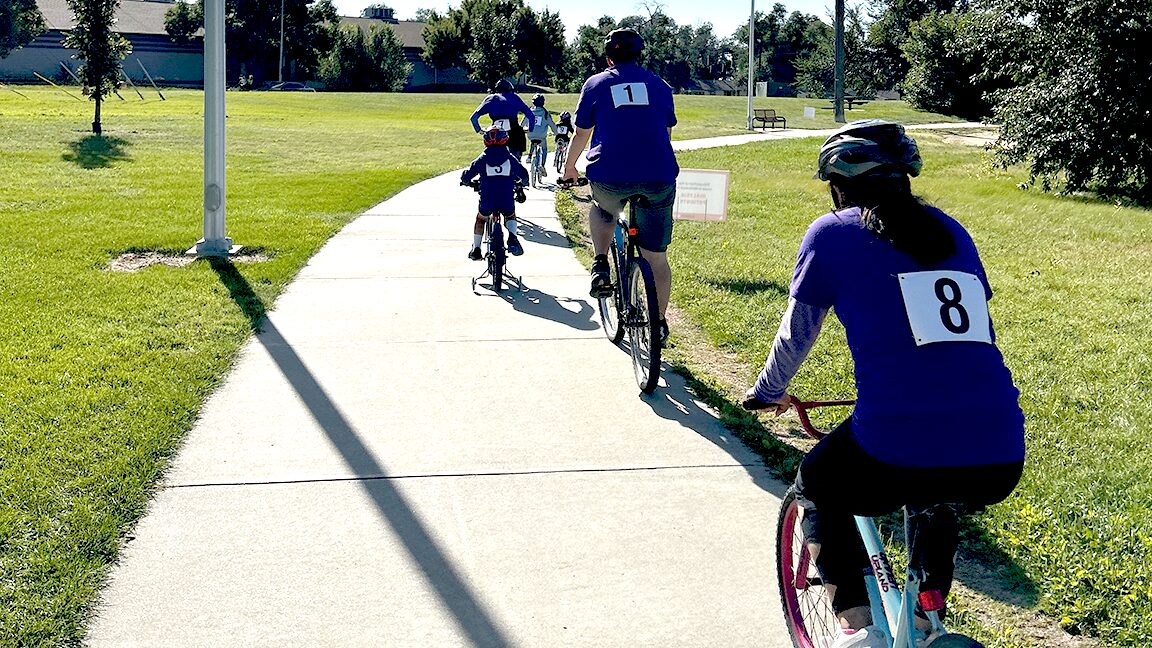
(578, 182)
(801, 408)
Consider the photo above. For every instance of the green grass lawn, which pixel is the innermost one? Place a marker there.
(1072, 278)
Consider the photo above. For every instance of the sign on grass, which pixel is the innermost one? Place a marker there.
(701, 194)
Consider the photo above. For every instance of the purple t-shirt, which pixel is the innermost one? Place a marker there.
(631, 110)
(931, 386)
(503, 107)
(499, 172)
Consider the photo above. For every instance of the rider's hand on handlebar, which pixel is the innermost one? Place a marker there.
(778, 407)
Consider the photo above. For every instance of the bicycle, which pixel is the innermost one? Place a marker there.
(561, 151)
(631, 306)
(495, 250)
(806, 605)
(536, 161)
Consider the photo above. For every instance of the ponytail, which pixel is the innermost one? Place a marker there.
(890, 211)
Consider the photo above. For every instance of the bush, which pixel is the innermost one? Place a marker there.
(365, 63)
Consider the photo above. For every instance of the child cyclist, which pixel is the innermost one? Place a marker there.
(538, 132)
(563, 130)
(937, 418)
(499, 174)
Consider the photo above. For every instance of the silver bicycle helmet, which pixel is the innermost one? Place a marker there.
(869, 147)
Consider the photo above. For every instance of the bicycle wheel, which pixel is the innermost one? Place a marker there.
(953, 641)
(807, 606)
(610, 306)
(497, 255)
(643, 322)
(561, 157)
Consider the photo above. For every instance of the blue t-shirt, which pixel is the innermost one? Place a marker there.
(631, 111)
(498, 171)
(931, 386)
(503, 107)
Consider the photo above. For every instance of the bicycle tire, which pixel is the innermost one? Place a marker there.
(497, 255)
(807, 609)
(561, 157)
(611, 305)
(643, 322)
(954, 641)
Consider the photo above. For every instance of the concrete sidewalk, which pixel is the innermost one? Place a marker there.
(397, 461)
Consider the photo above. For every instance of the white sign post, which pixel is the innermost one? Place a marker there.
(701, 194)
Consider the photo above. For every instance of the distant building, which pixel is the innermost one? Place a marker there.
(140, 21)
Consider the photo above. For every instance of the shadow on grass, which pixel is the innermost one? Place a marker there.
(983, 567)
(98, 152)
(745, 287)
(468, 611)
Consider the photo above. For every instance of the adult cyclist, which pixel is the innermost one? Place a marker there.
(538, 133)
(627, 114)
(503, 107)
(937, 418)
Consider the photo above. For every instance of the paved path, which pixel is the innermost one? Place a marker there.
(397, 461)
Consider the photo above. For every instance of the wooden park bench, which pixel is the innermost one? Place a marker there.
(766, 118)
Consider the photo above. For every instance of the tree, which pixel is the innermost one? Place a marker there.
(943, 73)
(20, 22)
(183, 20)
(365, 62)
(491, 55)
(101, 49)
(1079, 114)
(816, 69)
(892, 22)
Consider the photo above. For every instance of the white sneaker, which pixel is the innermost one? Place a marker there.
(868, 637)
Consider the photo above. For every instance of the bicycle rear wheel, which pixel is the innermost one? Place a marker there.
(561, 157)
(643, 321)
(807, 607)
(497, 254)
(610, 306)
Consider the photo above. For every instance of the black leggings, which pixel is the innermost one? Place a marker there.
(838, 480)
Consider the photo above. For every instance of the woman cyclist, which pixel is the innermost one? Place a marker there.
(538, 133)
(503, 106)
(937, 418)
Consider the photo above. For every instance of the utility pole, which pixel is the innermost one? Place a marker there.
(214, 243)
(280, 73)
(838, 83)
(752, 57)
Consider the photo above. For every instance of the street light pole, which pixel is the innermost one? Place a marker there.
(838, 82)
(214, 243)
(751, 57)
(280, 73)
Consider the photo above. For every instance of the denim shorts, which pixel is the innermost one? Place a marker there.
(654, 202)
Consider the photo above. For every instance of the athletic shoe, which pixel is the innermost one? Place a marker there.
(543, 172)
(864, 638)
(664, 332)
(475, 254)
(601, 278)
(514, 247)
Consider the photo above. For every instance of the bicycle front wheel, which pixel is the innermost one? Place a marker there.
(611, 306)
(807, 607)
(497, 255)
(643, 322)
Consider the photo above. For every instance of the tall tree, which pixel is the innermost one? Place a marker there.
(20, 22)
(365, 62)
(891, 25)
(101, 49)
(183, 20)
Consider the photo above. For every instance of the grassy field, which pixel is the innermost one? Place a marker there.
(1072, 277)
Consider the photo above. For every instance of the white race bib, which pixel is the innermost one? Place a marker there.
(946, 306)
(630, 94)
(502, 170)
(502, 124)
(561, 130)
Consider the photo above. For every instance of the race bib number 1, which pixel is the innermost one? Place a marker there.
(946, 306)
(630, 94)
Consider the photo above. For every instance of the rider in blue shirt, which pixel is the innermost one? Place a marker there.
(503, 106)
(937, 418)
(499, 173)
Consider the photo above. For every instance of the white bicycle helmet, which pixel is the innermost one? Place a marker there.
(869, 147)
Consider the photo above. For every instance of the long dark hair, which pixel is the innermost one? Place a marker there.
(890, 211)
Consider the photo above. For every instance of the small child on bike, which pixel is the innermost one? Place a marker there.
(500, 173)
(538, 132)
(563, 130)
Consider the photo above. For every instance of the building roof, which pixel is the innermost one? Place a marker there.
(133, 16)
(410, 32)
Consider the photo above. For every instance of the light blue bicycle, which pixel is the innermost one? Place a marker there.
(807, 606)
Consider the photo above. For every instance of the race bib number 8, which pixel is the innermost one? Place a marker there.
(630, 94)
(946, 306)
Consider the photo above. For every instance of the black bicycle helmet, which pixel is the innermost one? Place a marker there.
(537, 99)
(565, 116)
(869, 147)
(623, 45)
(503, 85)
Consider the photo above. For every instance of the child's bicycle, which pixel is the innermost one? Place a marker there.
(807, 606)
(495, 250)
(561, 150)
(631, 306)
(536, 163)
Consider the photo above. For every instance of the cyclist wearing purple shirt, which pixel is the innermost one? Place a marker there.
(499, 173)
(627, 114)
(502, 107)
(937, 418)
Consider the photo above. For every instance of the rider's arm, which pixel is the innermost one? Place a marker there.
(471, 172)
(519, 171)
(476, 119)
(575, 148)
(798, 331)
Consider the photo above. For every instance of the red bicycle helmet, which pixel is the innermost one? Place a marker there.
(495, 136)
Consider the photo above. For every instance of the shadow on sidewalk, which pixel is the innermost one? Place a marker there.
(530, 231)
(538, 303)
(469, 612)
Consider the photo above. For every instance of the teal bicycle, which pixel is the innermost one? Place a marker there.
(807, 607)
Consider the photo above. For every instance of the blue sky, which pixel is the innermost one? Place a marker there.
(725, 15)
